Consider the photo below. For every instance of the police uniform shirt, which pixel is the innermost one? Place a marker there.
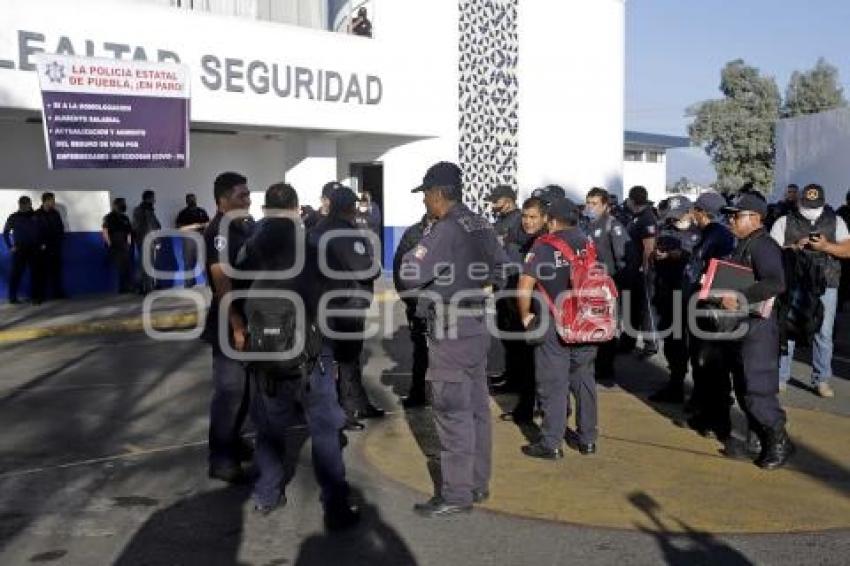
(442, 261)
(191, 215)
(117, 225)
(642, 226)
(349, 253)
(716, 242)
(548, 266)
(611, 241)
(216, 244)
(764, 256)
(52, 224)
(409, 240)
(508, 227)
(25, 229)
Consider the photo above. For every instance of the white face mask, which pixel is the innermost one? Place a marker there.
(683, 224)
(811, 214)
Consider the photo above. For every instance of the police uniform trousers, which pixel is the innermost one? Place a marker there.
(147, 282)
(561, 370)
(120, 258)
(228, 410)
(347, 353)
(53, 271)
(457, 372)
(675, 340)
(418, 327)
(279, 404)
(638, 313)
(27, 258)
(755, 375)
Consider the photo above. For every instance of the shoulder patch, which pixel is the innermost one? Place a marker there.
(420, 252)
(618, 231)
(220, 242)
(650, 229)
(529, 257)
(359, 248)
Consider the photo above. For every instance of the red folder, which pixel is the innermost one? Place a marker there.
(727, 276)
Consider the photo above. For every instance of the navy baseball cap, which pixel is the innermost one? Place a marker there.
(549, 193)
(563, 209)
(677, 207)
(710, 202)
(442, 174)
(329, 188)
(747, 202)
(502, 191)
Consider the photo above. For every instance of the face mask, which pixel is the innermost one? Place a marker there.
(811, 214)
(683, 224)
(122, 208)
(591, 214)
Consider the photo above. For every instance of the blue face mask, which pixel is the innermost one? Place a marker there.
(591, 214)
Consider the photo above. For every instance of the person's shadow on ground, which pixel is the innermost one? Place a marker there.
(372, 542)
(689, 547)
(202, 529)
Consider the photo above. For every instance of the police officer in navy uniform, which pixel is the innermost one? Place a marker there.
(612, 246)
(193, 218)
(642, 229)
(508, 228)
(676, 239)
(283, 399)
(118, 236)
(24, 236)
(145, 222)
(560, 369)
(314, 217)
(710, 399)
(534, 220)
(231, 392)
(442, 265)
(754, 359)
(54, 233)
(354, 254)
(417, 325)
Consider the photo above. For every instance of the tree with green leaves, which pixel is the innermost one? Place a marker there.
(737, 131)
(816, 90)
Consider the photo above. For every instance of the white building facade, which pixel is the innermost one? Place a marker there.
(505, 88)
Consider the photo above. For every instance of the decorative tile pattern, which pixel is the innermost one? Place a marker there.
(489, 50)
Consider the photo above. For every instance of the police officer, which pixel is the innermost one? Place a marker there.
(282, 398)
(418, 326)
(755, 358)
(117, 235)
(710, 399)
(612, 247)
(458, 339)
(24, 237)
(231, 393)
(54, 232)
(508, 228)
(193, 218)
(560, 369)
(534, 221)
(642, 230)
(313, 217)
(348, 253)
(676, 240)
(145, 222)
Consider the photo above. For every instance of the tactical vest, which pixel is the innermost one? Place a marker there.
(798, 227)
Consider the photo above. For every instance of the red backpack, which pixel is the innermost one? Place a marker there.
(587, 312)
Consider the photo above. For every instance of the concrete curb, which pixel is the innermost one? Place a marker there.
(161, 322)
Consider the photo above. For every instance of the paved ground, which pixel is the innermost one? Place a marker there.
(102, 460)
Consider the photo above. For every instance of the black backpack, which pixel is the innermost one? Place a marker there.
(800, 307)
(274, 327)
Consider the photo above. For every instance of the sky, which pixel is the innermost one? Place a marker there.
(675, 50)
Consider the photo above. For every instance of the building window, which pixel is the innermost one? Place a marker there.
(653, 156)
(632, 155)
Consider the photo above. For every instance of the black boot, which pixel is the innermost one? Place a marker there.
(777, 449)
(754, 445)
